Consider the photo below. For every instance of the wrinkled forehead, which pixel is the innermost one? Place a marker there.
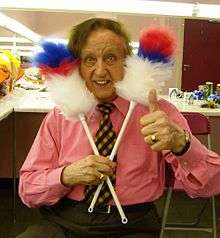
(104, 39)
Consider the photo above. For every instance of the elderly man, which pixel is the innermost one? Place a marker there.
(61, 167)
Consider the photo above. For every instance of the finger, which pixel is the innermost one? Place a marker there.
(93, 176)
(105, 169)
(149, 129)
(105, 160)
(103, 164)
(158, 146)
(151, 118)
(152, 100)
(101, 176)
(149, 141)
(92, 172)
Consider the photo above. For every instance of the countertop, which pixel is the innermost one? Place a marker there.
(8, 103)
(195, 107)
(25, 101)
(5, 110)
(34, 101)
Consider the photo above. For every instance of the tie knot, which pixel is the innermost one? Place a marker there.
(105, 108)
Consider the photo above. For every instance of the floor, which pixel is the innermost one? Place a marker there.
(182, 211)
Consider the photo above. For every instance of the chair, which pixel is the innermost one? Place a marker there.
(199, 125)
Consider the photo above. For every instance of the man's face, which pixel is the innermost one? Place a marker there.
(102, 63)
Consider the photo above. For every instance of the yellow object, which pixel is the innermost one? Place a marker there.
(5, 61)
(10, 71)
(20, 73)
(15, 61)
(4, 73)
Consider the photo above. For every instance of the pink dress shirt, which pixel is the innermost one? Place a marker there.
(140, 171)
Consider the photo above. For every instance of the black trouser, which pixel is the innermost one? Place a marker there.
(70, 219)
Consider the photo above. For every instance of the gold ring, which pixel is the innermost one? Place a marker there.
(153, 138)
(101, 177)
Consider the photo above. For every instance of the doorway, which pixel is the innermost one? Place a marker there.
(201, 53)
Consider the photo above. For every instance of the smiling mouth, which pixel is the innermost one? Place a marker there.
(102, 83)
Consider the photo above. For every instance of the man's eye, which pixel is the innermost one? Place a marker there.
(110, 59)
(90, 61)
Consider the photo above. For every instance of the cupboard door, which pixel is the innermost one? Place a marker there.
(27, 125)
(6, 147)
(201, 53)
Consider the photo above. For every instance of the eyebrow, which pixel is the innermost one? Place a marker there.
(86, 54)
(106, 51)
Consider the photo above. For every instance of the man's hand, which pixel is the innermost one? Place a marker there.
(88, 171)
(159, 132)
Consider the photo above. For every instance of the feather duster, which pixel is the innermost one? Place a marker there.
(66, 87)
(150, 69)
(157, 45)
(55, 58)
(71, 94)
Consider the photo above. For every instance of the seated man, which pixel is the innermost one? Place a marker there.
(61, 166)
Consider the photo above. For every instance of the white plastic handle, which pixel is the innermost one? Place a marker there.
(112, 155)
(111, 188)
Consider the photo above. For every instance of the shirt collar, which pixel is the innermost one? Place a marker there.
(122, 105)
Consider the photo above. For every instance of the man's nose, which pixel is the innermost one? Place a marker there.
(100, 68)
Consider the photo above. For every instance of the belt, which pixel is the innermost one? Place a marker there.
(140, 207)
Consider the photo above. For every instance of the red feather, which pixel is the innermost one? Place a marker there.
(64, 68)
(158, 40)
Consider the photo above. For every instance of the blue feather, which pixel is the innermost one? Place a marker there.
(53, 54)
(154, 57)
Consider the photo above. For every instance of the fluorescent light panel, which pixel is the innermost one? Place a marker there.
(14, 39)
(208, 10)
(20, 47)
(17, 27)
(131, 6)
(117, 6)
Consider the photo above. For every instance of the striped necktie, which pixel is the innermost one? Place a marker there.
(105, 139)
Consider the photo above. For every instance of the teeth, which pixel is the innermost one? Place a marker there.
(101, 82)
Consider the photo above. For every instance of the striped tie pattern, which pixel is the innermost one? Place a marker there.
(105, 139)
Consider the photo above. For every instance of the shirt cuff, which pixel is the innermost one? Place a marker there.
(54, 182)
(194, 161)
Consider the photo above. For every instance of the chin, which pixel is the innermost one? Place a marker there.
(106, 98)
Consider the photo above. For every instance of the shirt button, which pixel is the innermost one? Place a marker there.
(185, 163)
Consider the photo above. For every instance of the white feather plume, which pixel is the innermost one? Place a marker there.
(70, 94)
(141, 76)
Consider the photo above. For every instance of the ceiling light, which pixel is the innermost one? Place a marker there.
(117, 6)
(17, 27)
(208, 11)
(14, 39)
(20, 47)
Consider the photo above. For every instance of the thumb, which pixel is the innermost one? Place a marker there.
(152, 101)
